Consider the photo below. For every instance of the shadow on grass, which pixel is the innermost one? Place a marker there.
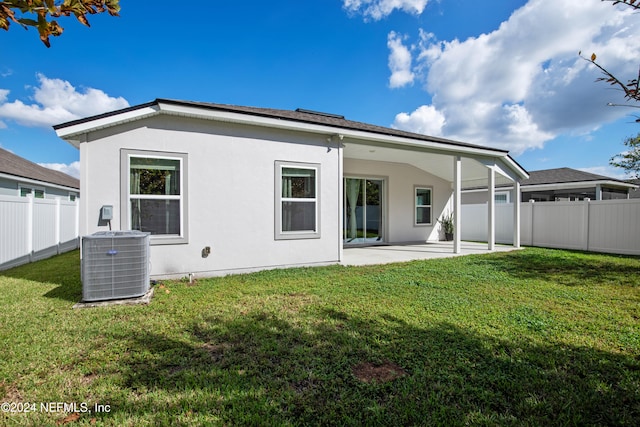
(259, 369)
(62, 270)
(566, 267)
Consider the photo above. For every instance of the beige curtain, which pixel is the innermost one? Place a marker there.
(353, 189)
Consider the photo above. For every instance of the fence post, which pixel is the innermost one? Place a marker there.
(587, 203)
(77, 222)
(532, 205)
(58, 220)
(30, 226)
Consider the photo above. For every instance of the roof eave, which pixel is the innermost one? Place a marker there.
(74, 132)
(437, 144)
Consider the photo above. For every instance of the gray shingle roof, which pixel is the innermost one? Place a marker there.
(563, 175)
(12, 164)
(299, 115)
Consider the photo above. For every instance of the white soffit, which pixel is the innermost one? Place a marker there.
(72, 132)
(438, 164)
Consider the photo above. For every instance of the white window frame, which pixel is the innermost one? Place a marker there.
(125, 196)
(503, 193)
(304, 234)
(32, 191)
(416, 206)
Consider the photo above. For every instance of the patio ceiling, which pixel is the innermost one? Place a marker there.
(436, 163)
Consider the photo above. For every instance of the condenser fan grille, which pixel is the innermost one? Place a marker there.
(115, 265)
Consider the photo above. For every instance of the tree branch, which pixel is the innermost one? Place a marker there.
(44, 9)
(631, 3)
(631, 89)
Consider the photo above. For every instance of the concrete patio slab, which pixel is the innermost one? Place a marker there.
(144, 299)
(386, 254)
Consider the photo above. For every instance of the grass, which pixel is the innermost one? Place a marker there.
(534, 337)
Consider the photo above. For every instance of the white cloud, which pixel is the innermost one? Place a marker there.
(524, 84)
(608, 171)
(426, 120)
(399, 62)
(378, 9)
(72, 169)
(57, 101)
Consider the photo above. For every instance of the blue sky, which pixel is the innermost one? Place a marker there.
(504, 73)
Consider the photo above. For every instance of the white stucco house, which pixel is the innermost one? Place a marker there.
(225, 189)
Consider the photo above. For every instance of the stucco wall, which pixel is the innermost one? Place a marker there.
(401, 180)
(231, 189)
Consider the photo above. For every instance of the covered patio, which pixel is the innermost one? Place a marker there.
(386, 254)
(456, 165)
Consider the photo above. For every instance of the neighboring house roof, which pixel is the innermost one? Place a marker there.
(570, 178)
(16, 166)
(564, 178)
(291, 119)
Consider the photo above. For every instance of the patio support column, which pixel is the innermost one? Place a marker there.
(491, 214)
(457, 201)
(340, 154)
(516, 214)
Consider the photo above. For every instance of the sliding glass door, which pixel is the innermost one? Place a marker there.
(363, 213)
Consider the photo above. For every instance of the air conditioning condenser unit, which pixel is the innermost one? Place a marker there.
(115, 265)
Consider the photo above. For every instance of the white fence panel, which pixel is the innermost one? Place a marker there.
(559, 225)
(614, 226)
(504, 223)
(32, 229)
(13, 228)
(44, 224)
(602, 226)
(68, 221)
(475, 222)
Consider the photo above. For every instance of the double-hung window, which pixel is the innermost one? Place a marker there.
(154, 194)
(297, 200)
(422, 206)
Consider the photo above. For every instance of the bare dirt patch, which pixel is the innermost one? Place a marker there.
(368, 372)
(9, 393)
(88, 379)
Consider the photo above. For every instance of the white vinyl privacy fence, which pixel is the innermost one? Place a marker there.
(611, 226)
(33, 229)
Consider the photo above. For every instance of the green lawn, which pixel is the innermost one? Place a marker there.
(533, 337)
